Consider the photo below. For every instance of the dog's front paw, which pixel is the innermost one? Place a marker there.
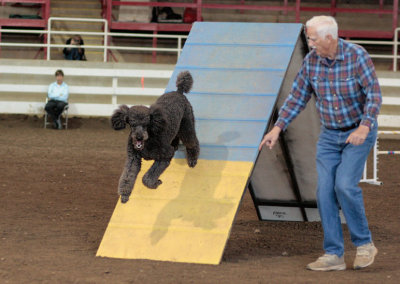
(124, 190)
(151, 183)
(124, 198)
(192, 163)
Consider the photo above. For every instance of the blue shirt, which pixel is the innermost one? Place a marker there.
(346, 89)
(58, 92)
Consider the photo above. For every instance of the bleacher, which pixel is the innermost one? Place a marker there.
(383, 15)
(96, 88)
(101, 91)
(40, 21)
(11, 16)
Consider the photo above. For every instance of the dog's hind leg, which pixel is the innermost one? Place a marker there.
(128, 177)
(188, 136)
(192, 154)
(150, 179)
(175, 143)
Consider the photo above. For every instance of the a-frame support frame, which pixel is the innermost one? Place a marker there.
(283, 181)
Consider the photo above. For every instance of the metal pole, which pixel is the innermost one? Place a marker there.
(297, 10)
(48, 38)
(365, 171)
(376, 160)
(396, 38)
(179, 46)
(115, 86)
(105, 40)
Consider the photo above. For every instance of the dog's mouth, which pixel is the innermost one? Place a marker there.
(138, 144)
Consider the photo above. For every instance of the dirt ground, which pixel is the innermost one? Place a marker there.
(58, 192)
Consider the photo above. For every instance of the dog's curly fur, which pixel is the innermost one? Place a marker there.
(155, 135)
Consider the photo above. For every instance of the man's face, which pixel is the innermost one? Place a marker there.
(321, 45)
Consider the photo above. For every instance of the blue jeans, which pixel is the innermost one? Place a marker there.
(340, 167)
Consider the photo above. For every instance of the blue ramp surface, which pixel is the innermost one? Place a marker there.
(238, 70)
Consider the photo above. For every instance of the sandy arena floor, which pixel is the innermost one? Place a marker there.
(58, 191)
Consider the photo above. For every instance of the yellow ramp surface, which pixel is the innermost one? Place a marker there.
(186, 219)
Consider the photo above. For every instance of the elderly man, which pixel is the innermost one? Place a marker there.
(348, 99)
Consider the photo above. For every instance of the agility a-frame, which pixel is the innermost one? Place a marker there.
(241, 73)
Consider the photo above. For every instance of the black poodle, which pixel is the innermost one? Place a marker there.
(155, 135)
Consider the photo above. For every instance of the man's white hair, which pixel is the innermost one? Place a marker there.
(324, 25)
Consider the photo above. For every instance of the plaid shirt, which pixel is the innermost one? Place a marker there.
(347, 90)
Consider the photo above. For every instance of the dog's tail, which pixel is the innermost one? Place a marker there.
(184, 82)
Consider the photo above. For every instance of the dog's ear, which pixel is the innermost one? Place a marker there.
(119, 117)
(157, 119)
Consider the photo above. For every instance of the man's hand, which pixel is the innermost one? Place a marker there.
(358, 136)
(270, 138)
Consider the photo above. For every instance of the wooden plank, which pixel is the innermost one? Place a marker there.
(84, 90)
(389, 121)
(392, 101)
(389, 82)
(37, 108)
(101, 72)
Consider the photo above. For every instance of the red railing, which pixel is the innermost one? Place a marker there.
(197, 4)
(357, 33)
(181, 27)
(297, 8)
(30, 23)
(17, 22)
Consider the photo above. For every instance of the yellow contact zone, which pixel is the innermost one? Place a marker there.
(186, 219)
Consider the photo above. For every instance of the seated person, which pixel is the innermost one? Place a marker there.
(74, 53)
(165, 15)
(58, 98)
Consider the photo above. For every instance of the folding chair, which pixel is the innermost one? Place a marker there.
(64, 113)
